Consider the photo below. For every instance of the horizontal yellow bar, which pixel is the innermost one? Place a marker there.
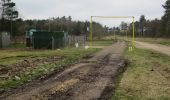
(114, 16)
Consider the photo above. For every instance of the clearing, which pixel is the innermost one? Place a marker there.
(20, 66)
(92, 78)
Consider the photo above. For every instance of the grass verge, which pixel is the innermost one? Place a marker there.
(17, 45)
(103, 43)
(163, 41)
(146, 78)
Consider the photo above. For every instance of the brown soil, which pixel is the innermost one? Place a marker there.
(88, 80)
(7, 71)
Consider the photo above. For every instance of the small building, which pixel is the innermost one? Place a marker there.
(29, 34)
(46, 39)
(4, 39)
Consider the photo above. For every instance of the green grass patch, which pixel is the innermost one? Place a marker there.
(102, 42)
(70, 55)
(18, 45)
(8, 57)
(146, 78)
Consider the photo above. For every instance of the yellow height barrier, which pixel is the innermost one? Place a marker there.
(91, 27)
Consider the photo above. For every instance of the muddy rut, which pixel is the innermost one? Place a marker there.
(91, 79)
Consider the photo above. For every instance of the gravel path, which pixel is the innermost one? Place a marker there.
(156, 47)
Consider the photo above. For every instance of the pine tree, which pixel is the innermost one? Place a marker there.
(166, 19)
(142, 21)
(8, 14)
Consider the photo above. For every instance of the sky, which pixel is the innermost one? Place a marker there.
(83, 9)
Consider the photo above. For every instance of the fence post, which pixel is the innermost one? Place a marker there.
(32, 40)
(53, 43)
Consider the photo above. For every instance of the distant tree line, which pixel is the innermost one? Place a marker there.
(8, 15)
(156, 27)
(64, 24)
(143, 27)
(17, 27)
(20, 26)
(147, 28)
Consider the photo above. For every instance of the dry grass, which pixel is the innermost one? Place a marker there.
(147, 77)
(163, 41)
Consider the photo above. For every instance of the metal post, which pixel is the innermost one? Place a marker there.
(114, 35)
(91, 32)
(126, 35)
(11, 26)
(53, 43)
(3, 11)
(133, 34)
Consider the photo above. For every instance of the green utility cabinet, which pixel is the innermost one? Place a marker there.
(48, 40)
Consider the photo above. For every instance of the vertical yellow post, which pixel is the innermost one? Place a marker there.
(91, 32)
(133, 34)
(114, 35)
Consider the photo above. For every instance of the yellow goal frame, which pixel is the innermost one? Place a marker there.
(91, 27)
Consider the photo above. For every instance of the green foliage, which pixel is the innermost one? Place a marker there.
(142, 21)
(143, 27)
(103, 42)
(8, 14)
(156, 27)
(166, 19)
(55, 24)
(63, 24)
(167, 7)
(17, 45)
(124, 26)
(147, 28)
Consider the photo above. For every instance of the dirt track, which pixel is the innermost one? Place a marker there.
(90, 79)
(156, 47)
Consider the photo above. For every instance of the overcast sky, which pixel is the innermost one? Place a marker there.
(83, 9)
